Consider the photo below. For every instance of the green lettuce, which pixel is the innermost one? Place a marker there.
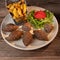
(40, 23)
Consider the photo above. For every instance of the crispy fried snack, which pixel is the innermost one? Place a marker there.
(18, 10)
(48, 27)
(15, 35)
(41, 35)
(10, 27)
(27, 38)
(26, 27)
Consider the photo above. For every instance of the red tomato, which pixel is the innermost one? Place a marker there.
(40, 15)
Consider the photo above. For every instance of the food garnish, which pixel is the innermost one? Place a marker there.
(40, 15)
(39, 18)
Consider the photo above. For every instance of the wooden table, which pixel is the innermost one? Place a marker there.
(50, 52)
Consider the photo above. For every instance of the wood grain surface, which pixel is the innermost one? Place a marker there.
(50, 52)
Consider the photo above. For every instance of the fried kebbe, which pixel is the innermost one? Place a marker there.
(27, 38)
(15, 35)
(48, 27)
(10, 27)
(41, 35)
(26, 27)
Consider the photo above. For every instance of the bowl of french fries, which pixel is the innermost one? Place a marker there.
(17, 10)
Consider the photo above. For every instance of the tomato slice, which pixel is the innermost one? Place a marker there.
(40, 15)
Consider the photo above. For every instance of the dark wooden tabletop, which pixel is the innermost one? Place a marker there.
(50, 52)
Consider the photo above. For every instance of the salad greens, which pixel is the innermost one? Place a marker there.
(40, 23)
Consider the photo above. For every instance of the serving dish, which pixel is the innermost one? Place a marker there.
(37, 43)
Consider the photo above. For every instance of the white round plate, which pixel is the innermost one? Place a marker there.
(37, 43)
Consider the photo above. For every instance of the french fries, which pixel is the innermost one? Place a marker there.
(20, 13)
(18, 9)
(24, 8)
(15, 13)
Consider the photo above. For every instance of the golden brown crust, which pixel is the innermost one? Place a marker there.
(26, 27)
(27, 38)
(41, 35)
(48, 27)
(10, 27)
(15, 35)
